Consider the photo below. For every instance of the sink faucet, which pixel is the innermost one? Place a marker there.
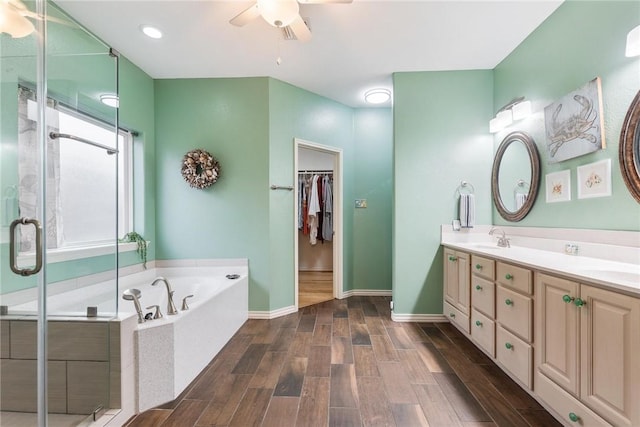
(503, 241)
(171, 307)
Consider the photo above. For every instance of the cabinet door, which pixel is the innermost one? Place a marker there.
(456, 279)
(464, 282)
(557, 331)
(450, 276)
(610, 349)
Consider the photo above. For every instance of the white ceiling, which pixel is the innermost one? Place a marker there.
(354, 47)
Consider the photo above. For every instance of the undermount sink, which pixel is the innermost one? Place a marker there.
(486, 246)
(626, 276)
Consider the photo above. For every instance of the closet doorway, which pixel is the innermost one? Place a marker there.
(318, 241)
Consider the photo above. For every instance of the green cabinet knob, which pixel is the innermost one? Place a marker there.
(478, 323)
(478, 267)
(567, 298)
(508, 345)
(573, 417)
(452, 258)
(508, 276)
(478, 288)
(579, 302)
(452, 315)
(508, 301)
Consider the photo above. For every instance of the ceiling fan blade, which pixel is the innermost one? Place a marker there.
(246, 16)
(300, 29)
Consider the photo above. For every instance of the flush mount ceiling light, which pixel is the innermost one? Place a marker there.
(515, 110)
(633, 42)
(377, 96)
(151, 31)
(110, 100)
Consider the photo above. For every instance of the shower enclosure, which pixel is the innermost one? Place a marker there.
(62, 159)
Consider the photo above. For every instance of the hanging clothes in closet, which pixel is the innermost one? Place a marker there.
(315, 206)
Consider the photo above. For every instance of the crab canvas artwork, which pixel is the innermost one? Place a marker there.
(574, 124)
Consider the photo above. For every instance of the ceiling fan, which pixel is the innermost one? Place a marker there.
(282, 14)
(14, 18)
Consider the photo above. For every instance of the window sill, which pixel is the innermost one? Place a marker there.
(70, 254)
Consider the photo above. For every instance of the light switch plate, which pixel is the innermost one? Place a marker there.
(361, 203)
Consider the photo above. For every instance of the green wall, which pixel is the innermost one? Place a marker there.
(297, 113)
(230, 119)
(249, 124)
(578, 42)
(373, 175)
(440, 139)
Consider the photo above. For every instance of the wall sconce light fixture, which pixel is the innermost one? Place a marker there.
(633, 42)
(516, 109)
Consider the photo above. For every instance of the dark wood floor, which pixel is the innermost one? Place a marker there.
(345, 363)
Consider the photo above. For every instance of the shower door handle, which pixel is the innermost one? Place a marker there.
(12, 247)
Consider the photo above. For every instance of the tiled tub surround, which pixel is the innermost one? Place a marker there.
(144, 364)
(566, 327)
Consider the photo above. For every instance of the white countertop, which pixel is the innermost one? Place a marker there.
(621, 276)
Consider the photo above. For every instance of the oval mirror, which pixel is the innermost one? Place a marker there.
(515, 176)
(629, 152)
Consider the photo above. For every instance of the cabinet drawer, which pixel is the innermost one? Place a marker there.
(484, 267)
(514, 311)
(456, 317)
(515, 277)
(483, 332)
(483, 296)
(564, 404)
(515, 355)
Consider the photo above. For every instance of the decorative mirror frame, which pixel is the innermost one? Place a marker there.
(534, 159)
(631, 129)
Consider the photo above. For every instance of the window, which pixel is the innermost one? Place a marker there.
(81, 179)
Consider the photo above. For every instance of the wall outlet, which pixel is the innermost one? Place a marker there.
(361, 203)
(571, 249)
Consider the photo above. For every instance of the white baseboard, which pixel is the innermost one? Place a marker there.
(272, 314)
(366, 293)
(398, 317)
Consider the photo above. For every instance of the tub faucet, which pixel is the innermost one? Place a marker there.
(134, 295)
(171, 307)
(503, 241)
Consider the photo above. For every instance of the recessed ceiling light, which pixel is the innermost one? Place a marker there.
(150, 31)
(377, 96)
(110, 100)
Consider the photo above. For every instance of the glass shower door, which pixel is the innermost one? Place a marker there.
(59, 158)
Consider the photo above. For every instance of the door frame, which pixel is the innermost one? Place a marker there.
(337, 213)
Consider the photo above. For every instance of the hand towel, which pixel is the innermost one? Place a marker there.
(521, 198)
(467, 211)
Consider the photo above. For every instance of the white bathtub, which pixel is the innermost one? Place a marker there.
(171, 351)
(157, 358)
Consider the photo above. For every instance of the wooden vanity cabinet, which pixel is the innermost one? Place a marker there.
(456, 288)
(514, 318)
(588, 347)
(585, 339)
(483, 299)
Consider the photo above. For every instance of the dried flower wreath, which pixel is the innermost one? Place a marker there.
(200, 169)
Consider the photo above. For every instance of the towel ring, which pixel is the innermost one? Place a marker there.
(521, 184)
(465, 185)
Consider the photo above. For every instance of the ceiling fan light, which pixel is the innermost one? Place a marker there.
(377, 96)
(633, 42)
(278, 13)
(13, 23)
